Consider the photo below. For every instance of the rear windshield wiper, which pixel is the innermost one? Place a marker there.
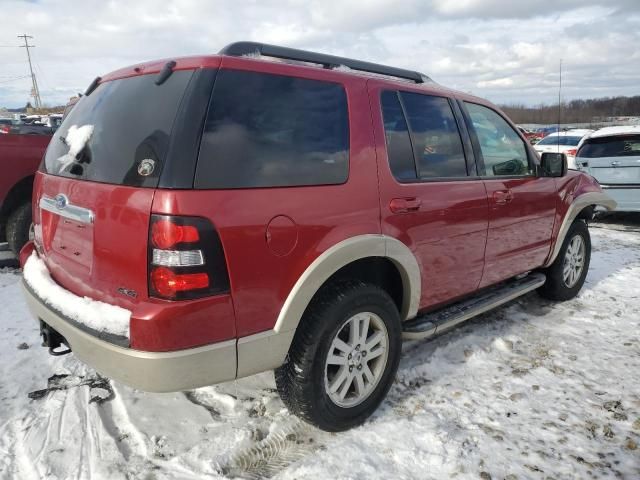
(166, 72)
(93, 86)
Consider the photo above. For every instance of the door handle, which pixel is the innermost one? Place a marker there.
(405, 205)
(502, 197)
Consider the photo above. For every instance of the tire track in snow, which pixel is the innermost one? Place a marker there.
(275, 440)
(279, 449)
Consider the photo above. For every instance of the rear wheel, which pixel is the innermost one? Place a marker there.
(567, 273)
(18, 225)
(343, 358)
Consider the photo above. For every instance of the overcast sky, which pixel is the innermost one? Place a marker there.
(505, 50)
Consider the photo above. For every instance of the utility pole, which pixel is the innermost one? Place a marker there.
(35, 93)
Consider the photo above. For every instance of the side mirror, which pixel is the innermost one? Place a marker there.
(554, 164)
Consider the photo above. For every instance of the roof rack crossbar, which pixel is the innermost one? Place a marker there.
(239, 49)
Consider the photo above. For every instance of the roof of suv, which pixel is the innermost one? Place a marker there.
(234, 55)
(622, 130)
(571, 133)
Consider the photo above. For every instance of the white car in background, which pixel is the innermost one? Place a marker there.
(612, 156)
(563, 142)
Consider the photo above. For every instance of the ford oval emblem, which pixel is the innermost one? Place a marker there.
(61, 201)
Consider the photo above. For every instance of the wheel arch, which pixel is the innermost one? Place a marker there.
(19, 193)
(582, 207)
(341, 256)
(268, 350)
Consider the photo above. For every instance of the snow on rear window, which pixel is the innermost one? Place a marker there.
(76, 139)
(93, 314)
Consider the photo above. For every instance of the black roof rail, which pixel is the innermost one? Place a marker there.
(239, 49)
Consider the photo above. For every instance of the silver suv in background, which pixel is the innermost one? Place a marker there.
(612, 156)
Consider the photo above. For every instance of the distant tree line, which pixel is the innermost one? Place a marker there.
(575, 111)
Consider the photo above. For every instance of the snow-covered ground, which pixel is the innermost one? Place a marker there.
(532, 390)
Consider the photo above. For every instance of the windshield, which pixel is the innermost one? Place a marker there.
(616, 146)
(120, 132)
(569, 141)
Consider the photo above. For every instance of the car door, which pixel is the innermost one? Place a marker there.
(430, 197)
(521, 204)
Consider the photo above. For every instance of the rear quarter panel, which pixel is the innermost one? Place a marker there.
(260, 277)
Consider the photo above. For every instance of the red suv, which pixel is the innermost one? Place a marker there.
(206, 218)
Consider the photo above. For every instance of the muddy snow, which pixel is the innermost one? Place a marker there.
(532, 390)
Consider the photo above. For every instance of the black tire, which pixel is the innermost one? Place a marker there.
(18, 225)
(301, 380)
(555, 287)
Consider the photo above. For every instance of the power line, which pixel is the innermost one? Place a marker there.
(35, 93)
(13, 79)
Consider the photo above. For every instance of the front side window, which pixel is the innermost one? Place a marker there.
(265, 130)
(503, 151)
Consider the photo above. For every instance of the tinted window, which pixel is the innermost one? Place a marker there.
(399, 149)
(109, 133)
(617, 146)
(436, 139)
(563, 141)
(502, 148)
(270, 130)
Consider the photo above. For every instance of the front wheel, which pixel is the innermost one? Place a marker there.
(567, 273)
(343, 358)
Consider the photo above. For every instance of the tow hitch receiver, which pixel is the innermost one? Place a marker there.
(53, 340)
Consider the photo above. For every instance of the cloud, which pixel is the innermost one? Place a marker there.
(503, 50)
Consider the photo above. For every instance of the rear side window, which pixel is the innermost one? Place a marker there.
(266, 130)
(423, 140)
(399, 149)
(436, 139)
(615, 146)
(121, 129)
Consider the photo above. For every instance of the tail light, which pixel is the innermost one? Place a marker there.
(186, 259)
(571, 152)
(5, 129)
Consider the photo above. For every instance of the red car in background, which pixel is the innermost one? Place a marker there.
(20, 155)
(533, 137)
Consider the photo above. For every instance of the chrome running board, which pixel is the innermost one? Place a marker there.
(439, 321)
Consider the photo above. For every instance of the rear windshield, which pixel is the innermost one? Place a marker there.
(563, 141)
(265, 130)
(616, 146)
(119, 133)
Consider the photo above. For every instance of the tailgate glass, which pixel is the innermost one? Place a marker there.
(119, 134)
